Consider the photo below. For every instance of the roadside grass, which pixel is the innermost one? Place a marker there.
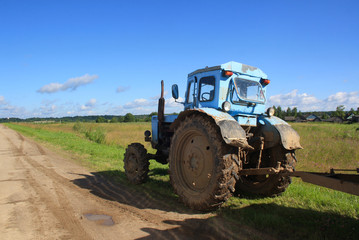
(98, 156)
(327, 145)
(304, 211)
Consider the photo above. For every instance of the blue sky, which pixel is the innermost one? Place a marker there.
(68, 58)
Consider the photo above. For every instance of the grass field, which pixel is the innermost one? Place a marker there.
(304, 211)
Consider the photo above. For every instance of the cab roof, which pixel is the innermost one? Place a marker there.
(234, 67)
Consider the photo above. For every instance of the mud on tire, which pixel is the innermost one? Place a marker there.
(136, 163)
(203, 169)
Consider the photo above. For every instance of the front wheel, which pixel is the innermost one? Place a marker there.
(136, 163)
(202, 166)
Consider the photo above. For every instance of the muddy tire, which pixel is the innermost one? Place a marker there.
(136, 163)
(203, 169)
(269, 185)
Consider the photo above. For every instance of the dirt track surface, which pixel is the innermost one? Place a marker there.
(45, 196)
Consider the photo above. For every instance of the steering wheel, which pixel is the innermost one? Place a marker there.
(204, 97)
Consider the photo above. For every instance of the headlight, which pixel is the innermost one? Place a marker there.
(270, 111)
(226, 106)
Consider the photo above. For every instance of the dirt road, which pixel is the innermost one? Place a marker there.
(45, 196)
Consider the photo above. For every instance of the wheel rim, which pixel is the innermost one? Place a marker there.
(195, 163)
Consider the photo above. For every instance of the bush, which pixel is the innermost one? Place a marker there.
(129, 118)
(97, 135)
(79, 127)
(93, 134)
(101, 120)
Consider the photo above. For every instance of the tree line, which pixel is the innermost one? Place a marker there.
(293, 112)
(129, 117)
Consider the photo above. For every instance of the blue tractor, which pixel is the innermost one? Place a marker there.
(224, 140)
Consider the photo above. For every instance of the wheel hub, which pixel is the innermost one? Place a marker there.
(193, 163)
(197, 162)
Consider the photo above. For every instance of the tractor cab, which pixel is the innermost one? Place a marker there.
(234, 88)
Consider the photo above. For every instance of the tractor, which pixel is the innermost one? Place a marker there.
(223, 141)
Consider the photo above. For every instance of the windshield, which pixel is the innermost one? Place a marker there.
(247, 90)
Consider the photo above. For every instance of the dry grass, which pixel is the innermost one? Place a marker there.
(126, 133)
(121, 134)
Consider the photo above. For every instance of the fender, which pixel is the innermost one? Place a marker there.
(271, 126)
(232, 133)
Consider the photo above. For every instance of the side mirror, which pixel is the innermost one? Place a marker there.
(175, 91)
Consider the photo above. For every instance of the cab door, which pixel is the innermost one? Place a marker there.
(191, 94)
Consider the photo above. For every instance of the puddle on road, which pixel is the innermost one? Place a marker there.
(100, 219)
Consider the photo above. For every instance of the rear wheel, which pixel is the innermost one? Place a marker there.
(136, 163)
(268, 185)
(202, 166)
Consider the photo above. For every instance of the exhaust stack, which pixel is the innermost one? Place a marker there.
(161, 106)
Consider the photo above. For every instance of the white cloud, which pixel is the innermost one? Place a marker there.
(139, 103)
(306, 102)
(7, 110)
(145, 106)
(175, 105)
(91, 102)
(121, 89)
(89, 105)
(53, 108)
(72, 83)
(47, 110)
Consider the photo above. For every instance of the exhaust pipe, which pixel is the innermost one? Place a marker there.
(161, 106)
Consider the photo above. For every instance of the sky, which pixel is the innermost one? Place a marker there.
(77, 58)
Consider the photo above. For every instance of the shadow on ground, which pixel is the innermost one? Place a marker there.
(295, 223)
(262, 221)
(113, 185)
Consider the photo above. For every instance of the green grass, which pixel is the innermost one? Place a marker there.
(304, 211)
(98, 156)
(327, 145)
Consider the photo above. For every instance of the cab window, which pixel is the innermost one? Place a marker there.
(206, 89)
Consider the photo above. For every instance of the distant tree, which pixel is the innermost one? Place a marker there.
(279, 113)
(101, 120)
(289, 112)
(295, 112)
(114, 120)
(339, 112)
(357, 111)
(129, 118)
(121, 119)
(325, 116)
